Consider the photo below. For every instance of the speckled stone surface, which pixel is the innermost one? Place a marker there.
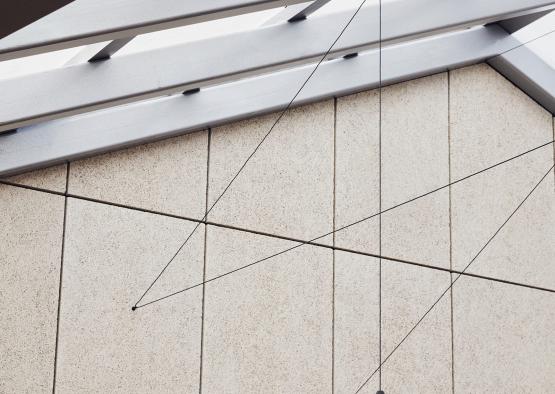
(491, 120)
(357, 161)
(167, 176)
(268, 328)
(30, 253)
(287, 186)
(356, 295)
(356, 323)
(308, 320)
(51, 178)
(523, 251)
(503, 338)
(112, 255)
(422, 364)
(415, 160)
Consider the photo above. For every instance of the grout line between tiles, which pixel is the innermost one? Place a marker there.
(64, 221)
(450, 227)
(333, 243)
(380, 192)
(256, 232)
(430, 309)
(204, 261)
(67, 178)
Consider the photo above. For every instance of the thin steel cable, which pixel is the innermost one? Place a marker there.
(380, 190)
(456, 279)
(346, 226)
(252, 154)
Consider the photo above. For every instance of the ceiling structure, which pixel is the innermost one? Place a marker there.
(97, 103)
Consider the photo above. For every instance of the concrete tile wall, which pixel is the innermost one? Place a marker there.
(423, 362)
(311, 319)
(287, 187)
(501, 334)
(167, 176)
(524, 250)
(268, 328)
(357, 171)
(492, 121)
(30, 255)
(111, 256)
(356, 277)
(503, 338)
(415, 160)
(52, 178)
(356, 322)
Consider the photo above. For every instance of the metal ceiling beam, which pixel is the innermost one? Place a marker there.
(512, 25)
(450, 15)
(530, 73)
(87, 87)
(102, 131)
(85, 22)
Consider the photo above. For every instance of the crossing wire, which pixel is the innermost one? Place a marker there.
(346, 226)
(455, 281)
(252, 154)
(277, 121)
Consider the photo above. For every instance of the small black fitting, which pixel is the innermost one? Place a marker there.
(191, 91)
(350, 55)
(8, 132)
(297, 19)
(99, 59)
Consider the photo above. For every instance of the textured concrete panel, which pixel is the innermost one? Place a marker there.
(357, 161)
(491, 120)
(414, 150)
(422, 364)
(503, 338)
(356, 322)
(524, 250)
(268, 328)
(419, 231)
(167, 176)
(287, 186)
(112, 255)
(52, 178)
(415, 160)
(30, 253)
